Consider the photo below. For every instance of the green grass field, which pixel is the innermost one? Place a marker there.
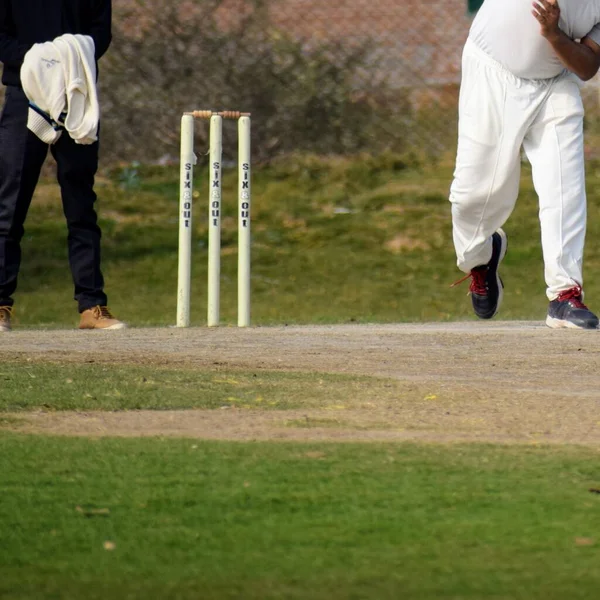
(335, 241)
(187, 519)
(55, 386)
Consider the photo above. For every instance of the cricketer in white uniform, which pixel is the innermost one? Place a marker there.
(520, 89)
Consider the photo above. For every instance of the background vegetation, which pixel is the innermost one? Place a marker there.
(306, 94)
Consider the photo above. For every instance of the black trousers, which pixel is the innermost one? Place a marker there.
(22, 155)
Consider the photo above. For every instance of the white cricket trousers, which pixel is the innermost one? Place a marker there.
(498, 115)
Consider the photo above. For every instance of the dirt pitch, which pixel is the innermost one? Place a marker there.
(508, 382)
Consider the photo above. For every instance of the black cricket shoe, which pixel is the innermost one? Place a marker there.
(568, 310)
(486, 286)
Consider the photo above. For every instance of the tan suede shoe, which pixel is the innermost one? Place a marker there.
(5, 315)
(99, 317)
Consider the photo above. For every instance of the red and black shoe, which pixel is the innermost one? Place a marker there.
(568, 310)
(486, 286)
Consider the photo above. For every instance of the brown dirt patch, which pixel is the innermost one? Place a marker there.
(516, 382)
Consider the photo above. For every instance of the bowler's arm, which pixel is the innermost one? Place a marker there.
(582, 58)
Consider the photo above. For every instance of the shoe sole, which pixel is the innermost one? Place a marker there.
(562, 324)
(500, 295)
(111, 328)
(116, 326)
(499, 282)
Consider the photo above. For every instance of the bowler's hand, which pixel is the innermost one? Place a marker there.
(547, 12)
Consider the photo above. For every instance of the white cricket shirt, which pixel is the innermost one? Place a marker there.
(508, 32)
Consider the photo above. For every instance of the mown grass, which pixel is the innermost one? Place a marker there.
(334, 240)
(64, 386)
(160, 518)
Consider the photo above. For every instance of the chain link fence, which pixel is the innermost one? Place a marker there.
(338, 77)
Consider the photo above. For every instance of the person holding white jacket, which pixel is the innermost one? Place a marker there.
(26, 27)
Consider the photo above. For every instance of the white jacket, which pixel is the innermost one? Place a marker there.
(59, 79)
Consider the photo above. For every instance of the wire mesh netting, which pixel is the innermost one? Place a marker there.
(340, 77)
